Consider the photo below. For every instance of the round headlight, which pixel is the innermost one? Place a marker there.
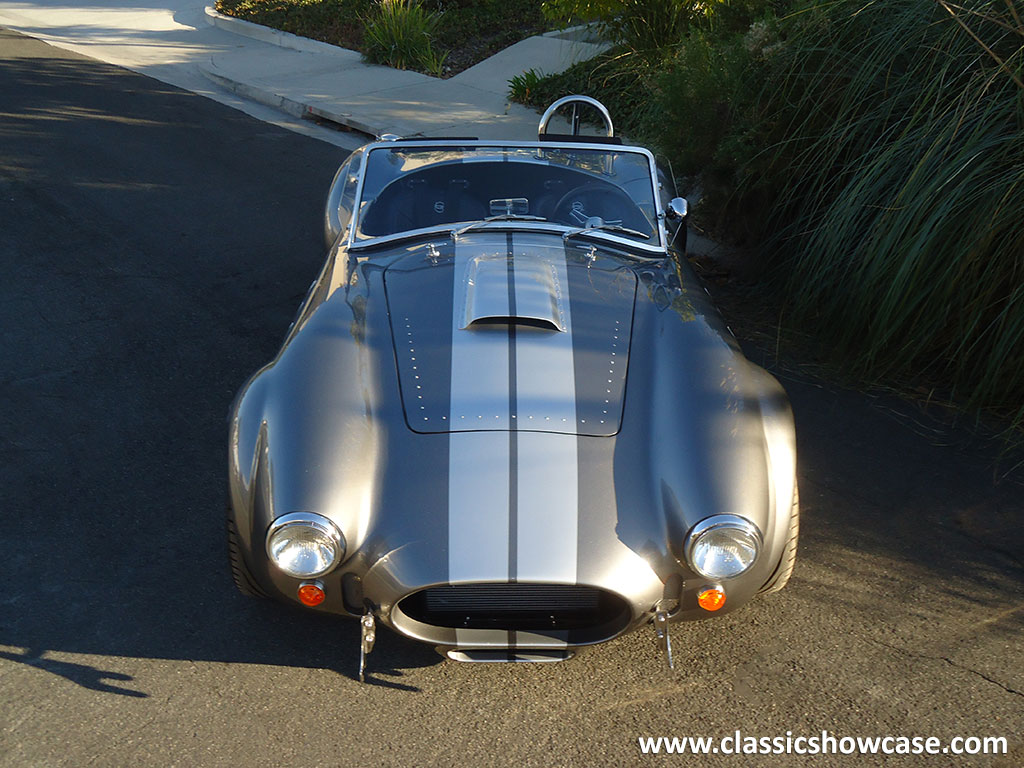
(723, 546)
(304, 544)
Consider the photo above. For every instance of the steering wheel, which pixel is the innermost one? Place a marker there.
(601, 199)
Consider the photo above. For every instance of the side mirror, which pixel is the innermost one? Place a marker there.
(676, 215)
(677, 209)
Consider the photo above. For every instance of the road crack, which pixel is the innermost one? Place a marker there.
(947, 660)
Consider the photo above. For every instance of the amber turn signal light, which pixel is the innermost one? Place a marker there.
(711, 599)
(311, 593)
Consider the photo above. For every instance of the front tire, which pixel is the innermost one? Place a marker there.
(784, 570)
(244, 581)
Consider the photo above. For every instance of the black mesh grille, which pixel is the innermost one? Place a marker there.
(526, 607)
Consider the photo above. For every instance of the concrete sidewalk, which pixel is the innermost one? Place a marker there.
(186, 44)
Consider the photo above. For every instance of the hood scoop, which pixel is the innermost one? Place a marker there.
(511, 332)
(536, 297)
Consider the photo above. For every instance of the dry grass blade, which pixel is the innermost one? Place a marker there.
(989, 51)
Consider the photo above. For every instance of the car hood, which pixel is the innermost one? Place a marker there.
(324, 427)
(511, 332)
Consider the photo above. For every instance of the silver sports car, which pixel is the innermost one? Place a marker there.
(507, 420)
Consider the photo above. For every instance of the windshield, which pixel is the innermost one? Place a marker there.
(410, 188)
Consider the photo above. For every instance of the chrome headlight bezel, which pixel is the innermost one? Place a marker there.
(311, 521)
(723, 523)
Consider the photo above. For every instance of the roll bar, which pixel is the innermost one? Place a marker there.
(575, 120)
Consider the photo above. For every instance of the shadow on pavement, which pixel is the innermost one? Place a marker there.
(155, 246)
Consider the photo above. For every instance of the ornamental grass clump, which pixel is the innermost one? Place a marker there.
(399, 33)
(893, 152)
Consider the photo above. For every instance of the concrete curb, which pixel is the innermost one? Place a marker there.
(289, 106)
(273, 36)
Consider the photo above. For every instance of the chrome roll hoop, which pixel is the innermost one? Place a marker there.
(576, 101)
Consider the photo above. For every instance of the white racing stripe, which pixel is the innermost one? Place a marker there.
(478, 508)
(548, 468)
(513, 493)
(547, 511)
(545, 389)
(478, 475)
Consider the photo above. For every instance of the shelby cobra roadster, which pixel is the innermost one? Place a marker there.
(507, 420)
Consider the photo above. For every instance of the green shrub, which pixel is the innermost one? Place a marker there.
(620, 81)
(522, 87)
(698, 96)
(653, 27)
(399, 34)
(687, 96)
(709, 94)
(643, 26)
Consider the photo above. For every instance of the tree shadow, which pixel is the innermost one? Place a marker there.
(898, 496)
(82, 674)
(150, 266)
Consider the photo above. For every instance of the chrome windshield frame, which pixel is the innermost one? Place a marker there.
(656, 250)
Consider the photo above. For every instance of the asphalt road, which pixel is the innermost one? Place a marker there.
(154, 246)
